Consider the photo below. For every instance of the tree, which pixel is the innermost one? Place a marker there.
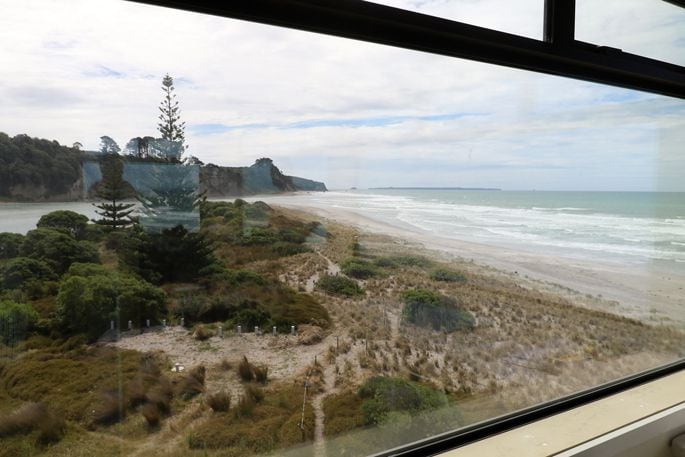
(10, 244)
(91, 295)
(112, 189)
(108, 145)
(15, 320)
(57, 249)
(77, 145)
(70, 221)
(171, 127)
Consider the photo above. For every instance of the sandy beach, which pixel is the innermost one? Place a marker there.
(648, 292)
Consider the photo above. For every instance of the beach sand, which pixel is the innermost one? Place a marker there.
(648, 293)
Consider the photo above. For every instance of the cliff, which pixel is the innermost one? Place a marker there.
(38, 170)
(263, 177)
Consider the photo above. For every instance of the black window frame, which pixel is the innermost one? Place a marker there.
(557, 54)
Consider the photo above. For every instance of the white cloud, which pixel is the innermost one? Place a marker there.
(95, 68)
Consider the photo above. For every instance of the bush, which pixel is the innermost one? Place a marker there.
(201, 333)
(57, 249)
(339, 285)
(359, 269)
(426, 308)
(245, 370)
(442, 274)
(286, 248)
(33, 416)
(73, 223)
(219, 401)
(22, 272)
(16, 319)
(385, 395)
(151, 413)
(110, 409)
(10, 244)
(261, 374)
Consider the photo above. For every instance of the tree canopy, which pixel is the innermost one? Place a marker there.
(72, 222)
(170, 126)
(112, 190)
(57, 249)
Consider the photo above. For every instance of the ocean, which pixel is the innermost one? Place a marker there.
(625, 227)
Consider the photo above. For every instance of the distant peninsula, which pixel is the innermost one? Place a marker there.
(40, 170)
(435, 188)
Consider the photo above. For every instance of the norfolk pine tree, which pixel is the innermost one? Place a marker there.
(112, 189)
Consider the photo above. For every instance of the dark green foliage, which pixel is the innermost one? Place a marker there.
(384, 395)
(426, 308)
(72, 222)
(112, 190)
(10, 244)
(359, 269)
(174, 255)
(170, 126)
(57, 249)
(22, 272)
(16, 319)
(444, 275)
(90, 296)
(286, 248)
(32, 163)
(339, 285)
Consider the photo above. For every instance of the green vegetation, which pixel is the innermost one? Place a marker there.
(16, 319)
(30, 417)
(112, 190)
(90, 296)
(57, 249)
(442, 274)
(426, 308)
(262, 421)
(359, 269)
(33, 168)
(26, 274)
(339, 285)
(73, 223)
(343, 413)
(383, 396)
(409, 261)
(10, 244)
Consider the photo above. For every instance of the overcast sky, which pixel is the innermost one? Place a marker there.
(345, 112)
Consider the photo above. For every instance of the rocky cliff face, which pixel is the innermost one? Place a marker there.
(261, 178)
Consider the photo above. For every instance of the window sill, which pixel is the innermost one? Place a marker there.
(614, 424)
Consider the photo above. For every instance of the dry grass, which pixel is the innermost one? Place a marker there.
(219, 401)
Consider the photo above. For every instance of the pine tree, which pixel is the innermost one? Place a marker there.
(171, 127)
(112, 189)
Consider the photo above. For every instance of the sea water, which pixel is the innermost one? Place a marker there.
(626, 227)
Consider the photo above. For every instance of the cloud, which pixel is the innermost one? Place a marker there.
(344, 111)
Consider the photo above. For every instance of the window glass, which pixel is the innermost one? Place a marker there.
(523, 17)
(224, 237)
(649, 28)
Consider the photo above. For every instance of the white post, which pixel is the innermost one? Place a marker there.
(256, 330)
(164, 323)
(130, 325)
(292, 330)
(221, 331)
(273, 331)
(147, 323)
(183, 322)
(240, 330)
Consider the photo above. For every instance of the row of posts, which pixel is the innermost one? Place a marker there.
(257, 330)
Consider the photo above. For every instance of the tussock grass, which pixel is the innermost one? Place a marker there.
(219, 401)
(33, 416)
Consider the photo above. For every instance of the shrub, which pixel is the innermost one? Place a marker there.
(151, 414)
(10, 244)
(384, 395)
(286, 248)
(16, 319)
(33, 416)
(201, 333)
(426, 308)
(57, 249)
(73, 223)
(110, 409)
(442, 274)
(255, 393)
(21, 271)
(359, 269)
(261, 374)
(339, 285)
(192, 383)
(245, 370)
(219, 401)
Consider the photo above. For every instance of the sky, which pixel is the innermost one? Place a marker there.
(349, 113)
